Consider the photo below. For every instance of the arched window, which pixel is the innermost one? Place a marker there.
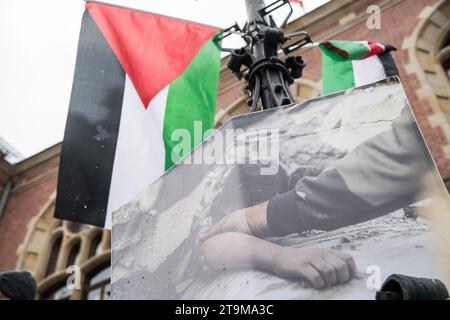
(74, 254)
(428, 49)
(49, 240)
(98, 284)
(54, 254)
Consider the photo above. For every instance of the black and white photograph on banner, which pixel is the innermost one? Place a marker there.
(319, 200)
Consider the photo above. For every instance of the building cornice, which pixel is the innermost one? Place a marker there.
(34, 166)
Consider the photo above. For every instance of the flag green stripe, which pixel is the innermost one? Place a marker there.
(337, 71)
(192, 97)
(355, 50)
(337, 74)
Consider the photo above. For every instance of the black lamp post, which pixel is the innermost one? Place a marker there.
(267, 74)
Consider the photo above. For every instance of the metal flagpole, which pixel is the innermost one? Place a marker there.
(253, 6)
(268, 76)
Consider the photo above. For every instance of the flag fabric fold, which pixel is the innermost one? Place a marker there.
(138, 78)
(348, 64)
(299, 2)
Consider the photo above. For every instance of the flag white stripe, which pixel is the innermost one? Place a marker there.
(140, 153)
(368, 71)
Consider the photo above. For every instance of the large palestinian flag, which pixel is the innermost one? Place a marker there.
(138, 77)
(348, 64)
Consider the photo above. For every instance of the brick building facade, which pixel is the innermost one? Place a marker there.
(31, 239)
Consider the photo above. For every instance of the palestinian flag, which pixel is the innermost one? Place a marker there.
(349, 64)
(138, 77)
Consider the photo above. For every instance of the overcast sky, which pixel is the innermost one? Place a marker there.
(38, 44)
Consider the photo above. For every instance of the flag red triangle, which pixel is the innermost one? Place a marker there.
(153, 50)
(375, 49)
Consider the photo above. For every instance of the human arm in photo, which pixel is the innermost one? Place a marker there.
(383, 174)
(320, 267)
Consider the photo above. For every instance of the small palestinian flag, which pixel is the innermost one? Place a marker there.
(349, 64)
(138, 77)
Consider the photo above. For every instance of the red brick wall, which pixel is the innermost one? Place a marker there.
(21, 207)
(228, 97)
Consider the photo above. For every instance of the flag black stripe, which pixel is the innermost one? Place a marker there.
(388, 64)
(90, 139)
